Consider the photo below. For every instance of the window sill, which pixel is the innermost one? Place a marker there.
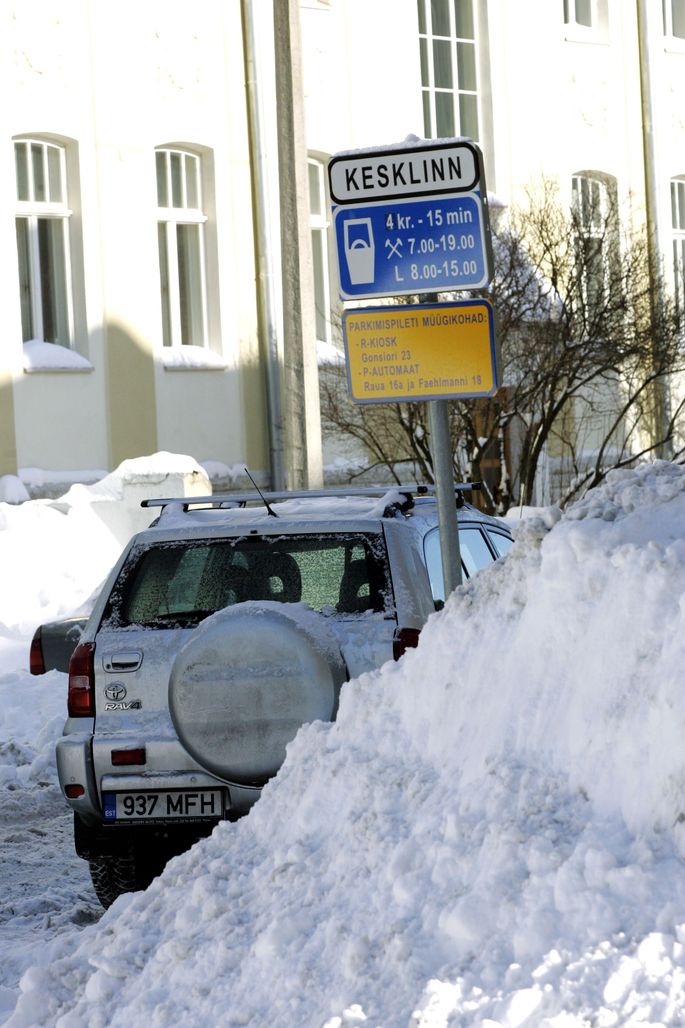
(580, 34)
(191, 358)
(53, 358)
(674, 45)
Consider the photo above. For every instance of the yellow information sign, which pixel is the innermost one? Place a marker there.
(430, 352)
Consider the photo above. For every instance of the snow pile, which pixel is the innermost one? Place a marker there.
(12, 489)
(146, 472)
(51, 561)
(31, 721)
(490, 834)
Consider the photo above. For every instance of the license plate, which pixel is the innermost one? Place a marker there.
(175, 805)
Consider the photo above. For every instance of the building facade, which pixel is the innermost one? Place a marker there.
(130, 321)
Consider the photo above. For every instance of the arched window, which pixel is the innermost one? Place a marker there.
(42, 227)
(181, 223)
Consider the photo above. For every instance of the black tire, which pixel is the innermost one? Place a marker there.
(112, 876)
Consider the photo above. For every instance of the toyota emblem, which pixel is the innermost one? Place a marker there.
(115, 691)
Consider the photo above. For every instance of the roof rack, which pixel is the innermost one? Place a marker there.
(241, 499)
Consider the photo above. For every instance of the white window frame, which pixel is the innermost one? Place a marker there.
(678, 228)
(169, 218)
(594, 217)
(33, 211)
(319, 226)
(573, 14)
(667, 8)
(429, 90)
(575, 27)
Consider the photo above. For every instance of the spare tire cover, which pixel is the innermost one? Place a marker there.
(246, 680)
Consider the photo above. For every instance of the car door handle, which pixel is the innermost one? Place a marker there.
(119, 663)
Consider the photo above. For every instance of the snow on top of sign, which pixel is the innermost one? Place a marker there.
(411, 142)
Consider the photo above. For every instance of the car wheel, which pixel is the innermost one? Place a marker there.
(112, 876)
(248, 678)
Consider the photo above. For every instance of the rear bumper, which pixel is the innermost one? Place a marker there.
(75, 766)
(74, 756)
(93, 842)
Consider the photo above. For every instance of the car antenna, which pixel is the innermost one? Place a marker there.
(269, 509)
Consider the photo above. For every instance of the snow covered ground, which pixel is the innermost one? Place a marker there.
(491, 834)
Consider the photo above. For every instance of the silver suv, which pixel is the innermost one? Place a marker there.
(222, 629)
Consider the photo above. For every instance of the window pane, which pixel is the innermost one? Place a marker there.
(678, 12)
(164, 282)
(427, 117)
(463, 19)
(53, 291)
(442, 64)
(444, 115)
(502, 543)
(38, 172)
(55, 174)
(162, 191)
(314, 190)
(22, 166)
(422, 16)
(432, 552)
(678, 204)
(466, 65)
(440, 14)
(320, 298)
(423, 50)
(468, 116)
(594, 273)
(190, 284)
(475, 553)
(176, 180)
(192, 181)
(679, 270)
(24, 278)
(584, 12)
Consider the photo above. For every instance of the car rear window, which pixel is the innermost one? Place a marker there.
(180, 583)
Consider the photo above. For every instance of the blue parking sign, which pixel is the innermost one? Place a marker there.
(413, 245)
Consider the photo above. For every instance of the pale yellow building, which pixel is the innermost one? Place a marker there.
(130, 315)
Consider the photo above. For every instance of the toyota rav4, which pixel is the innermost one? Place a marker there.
(222, 629)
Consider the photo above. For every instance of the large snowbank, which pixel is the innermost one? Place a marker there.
(490, 834)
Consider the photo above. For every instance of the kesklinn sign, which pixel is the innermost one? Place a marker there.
(384, 174)
(410, 220)
(428, 352)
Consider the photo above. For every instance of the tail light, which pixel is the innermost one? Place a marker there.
(81, 694)
(404, 639)
(36, 660)
(120, 758)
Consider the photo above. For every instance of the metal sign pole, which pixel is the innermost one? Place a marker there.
(441, 451)
(443, 473)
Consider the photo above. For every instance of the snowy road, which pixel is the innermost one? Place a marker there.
(45, 889)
